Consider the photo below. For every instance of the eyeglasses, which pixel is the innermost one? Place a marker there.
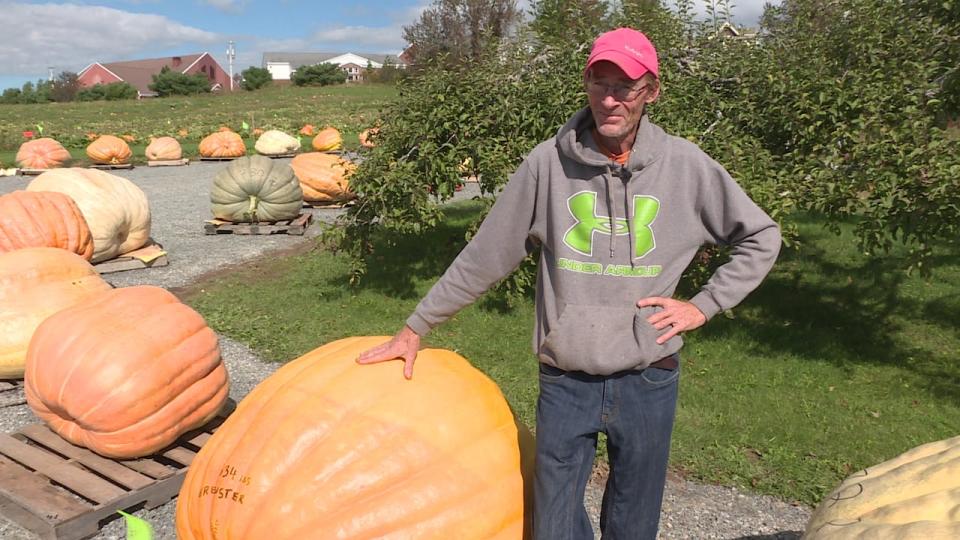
(620, 92)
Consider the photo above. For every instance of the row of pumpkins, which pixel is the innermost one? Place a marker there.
(47, 153)
(323, 448)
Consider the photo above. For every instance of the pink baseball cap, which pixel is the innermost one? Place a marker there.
(629, 49)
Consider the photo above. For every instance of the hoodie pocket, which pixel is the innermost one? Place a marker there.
(602, 339)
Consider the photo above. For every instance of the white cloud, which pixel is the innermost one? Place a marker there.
(227, 6)
(374, 39)
(73, 36)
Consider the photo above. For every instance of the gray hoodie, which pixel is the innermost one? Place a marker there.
(610, 235)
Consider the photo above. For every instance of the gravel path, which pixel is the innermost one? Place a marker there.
(179, 204)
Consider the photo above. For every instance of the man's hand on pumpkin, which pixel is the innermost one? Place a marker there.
(404, 346)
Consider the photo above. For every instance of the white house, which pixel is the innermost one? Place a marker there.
(282, 65)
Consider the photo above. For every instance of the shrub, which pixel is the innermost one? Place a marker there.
(255, 78)
(173, 83)
(109, 92)
(318, 75)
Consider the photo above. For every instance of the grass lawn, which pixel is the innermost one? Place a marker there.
(834, 364)
(348, 107)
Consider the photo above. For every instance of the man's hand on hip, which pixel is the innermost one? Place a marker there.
(404, 346)
(680, 316)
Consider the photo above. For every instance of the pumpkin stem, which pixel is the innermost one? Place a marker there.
(252, 210)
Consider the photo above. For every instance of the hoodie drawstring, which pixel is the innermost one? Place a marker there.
(611, 209)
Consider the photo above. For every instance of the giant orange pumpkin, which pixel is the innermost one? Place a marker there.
(328, 139)
(43, 153)
(34, 284)
(163, 149)
(326, 448)
(115, 208)
(40, 218)
(222, 144)
(109, 149)
(126, 372)
(323, 177)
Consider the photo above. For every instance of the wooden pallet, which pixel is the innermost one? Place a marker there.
(168, 162)
(218, 158)
(111, 166)
(328, 206)
(294, 227)
(33, 172)
(11, 393)
(130, 261)
(279, 156)
(60, 491)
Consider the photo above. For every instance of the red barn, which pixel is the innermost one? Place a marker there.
(139, 73)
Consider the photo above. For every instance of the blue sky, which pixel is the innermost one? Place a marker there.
(68, 36)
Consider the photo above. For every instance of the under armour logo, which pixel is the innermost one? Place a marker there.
(583, 208)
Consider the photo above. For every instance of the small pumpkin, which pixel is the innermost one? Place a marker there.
(43, 219)
(360, 452)
(328, 140)
(914, 495)
(42, 153)
(366, 137)
(256, 188)
(115, 209)
(309, 130)
(275, 142)
(109, 149)
(34, 284)
(126, 372)
(164, 148)
(222, 144)
(323, 177)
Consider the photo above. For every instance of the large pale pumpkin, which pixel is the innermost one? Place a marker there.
(275, 142)
(164, 149)
(34, 284)
(109, 149)
(326, 448)
(43, 153)
(323, 177)
(126, 372)
(115, 208)
(256, 188)
(43, 218)
(328, 139)
(222, 144)
(913, 496)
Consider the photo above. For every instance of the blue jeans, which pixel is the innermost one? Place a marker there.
(636, 410)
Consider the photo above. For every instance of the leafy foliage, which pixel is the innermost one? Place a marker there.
(65, 87)
(28, 93)
(108, 92)
(837, 109)
(323, 74)
(174, 83)
(458, 30)
(255, 78)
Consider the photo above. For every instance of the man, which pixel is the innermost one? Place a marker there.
(619, 209)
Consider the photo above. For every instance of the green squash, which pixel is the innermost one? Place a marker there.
(255, 189)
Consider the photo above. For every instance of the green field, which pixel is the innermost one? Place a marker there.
(349, 108)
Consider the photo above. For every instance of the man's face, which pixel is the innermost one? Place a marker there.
(616, 115)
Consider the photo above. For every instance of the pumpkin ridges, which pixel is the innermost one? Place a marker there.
(34, 284)
(109, 149)
(321, 383)
(163, 148)
(42, 153)
(222, 144)
(137, 369)
(43, 219)
(113, 207)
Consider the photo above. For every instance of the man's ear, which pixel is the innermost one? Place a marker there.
(652, 96)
